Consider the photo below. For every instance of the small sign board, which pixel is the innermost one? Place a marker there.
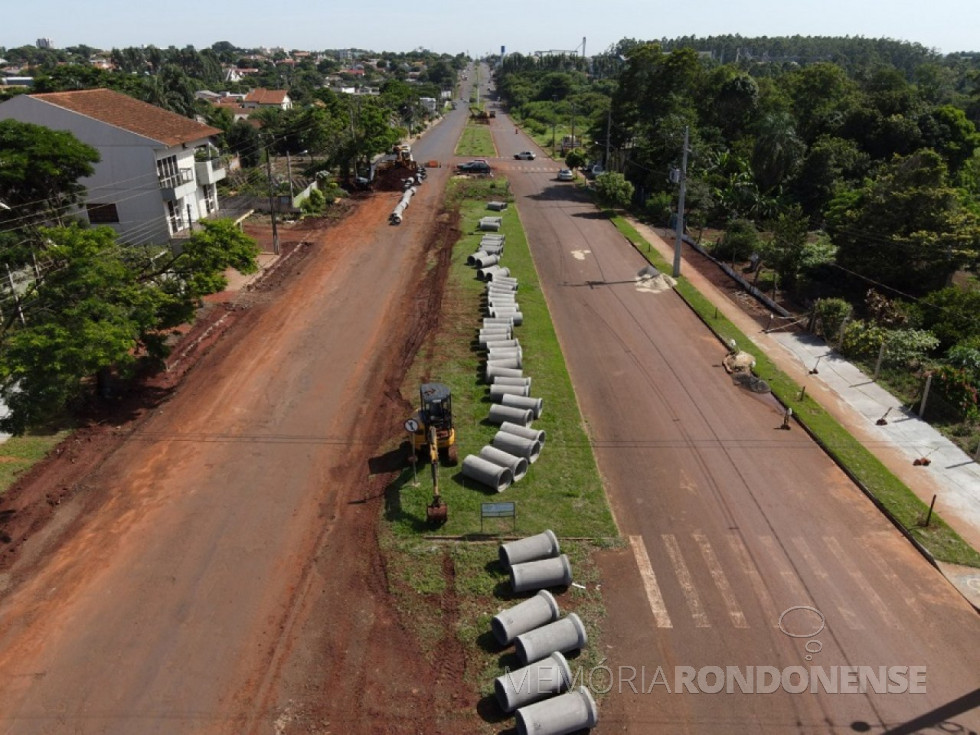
(411, 426)
(498, 510)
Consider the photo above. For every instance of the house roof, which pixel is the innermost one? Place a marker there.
(123, 111)
(263, 96)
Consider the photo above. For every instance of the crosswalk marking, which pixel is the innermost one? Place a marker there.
(654, 597)
(799, 594)
(811, 559)
(845, 561)
(686, 581)
(894, 581)
(721, 581)
(750, 571)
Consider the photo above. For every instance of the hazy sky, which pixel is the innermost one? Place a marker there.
(463, 25)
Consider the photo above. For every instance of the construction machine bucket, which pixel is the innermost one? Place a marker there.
(437, 512)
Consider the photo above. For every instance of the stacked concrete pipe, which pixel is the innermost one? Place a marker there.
(524, 616)
(494, 334)
(492, 248)
(520, 446)
(499, 414)
(531, 576)
(512, 363)
(512, 381)
(486, 260)
(542, 545)
(517, 465)
(536, 681)
(493, 372)
(494, 271)
(490, 224)
(523, 401)
(497, 312)
(471, 259)
(506, 353)
(567, 634)
(494, 476)
(498, 392)
(561, 715)
(526, 432)
(504, 343)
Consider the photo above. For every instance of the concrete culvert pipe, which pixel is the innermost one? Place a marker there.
(485, 337)
(550, 675)
(501, 296)
(497, 321)
(506, 302)
(494, 236)
(524, 616)
(501, 271)
(504, 352)
(508, 281)
(494, 476)
(500, 311)
(525, 432)
(471, 259)
(516, 465)
(493, 248)
(523, 400)
(561, 715)
(486, 260)
(486, 274)
(542, 545)
(513, 363)
(497, 393)
(500, 380)
(503, 344)
(500, 372)
(498, 414)
(567, 634)
(520, 446)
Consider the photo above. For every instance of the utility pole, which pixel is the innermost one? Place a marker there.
(272, 201)
(554, 122)
(680, 209)
(289, 175)
(605, 163)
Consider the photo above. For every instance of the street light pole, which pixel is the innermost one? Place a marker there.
(680, 209)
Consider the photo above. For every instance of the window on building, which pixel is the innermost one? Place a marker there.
(102, 214)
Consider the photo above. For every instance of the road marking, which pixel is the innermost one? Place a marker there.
(721, 581)
(894, 581)
(791, 579)
(752, 572)
(580, 254)
(850, 618)
(845, 561)
(686, 581)
(656, 600)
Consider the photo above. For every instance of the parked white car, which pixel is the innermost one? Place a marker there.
(566, 175)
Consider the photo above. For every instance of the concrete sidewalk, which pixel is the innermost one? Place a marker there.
(855, 399)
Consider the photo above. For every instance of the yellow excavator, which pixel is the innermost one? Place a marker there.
(435, 433)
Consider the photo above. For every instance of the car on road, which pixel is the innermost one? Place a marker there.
(524, 156)
(474, 167)
(566, 174)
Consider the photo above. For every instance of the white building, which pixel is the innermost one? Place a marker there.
(149, 185)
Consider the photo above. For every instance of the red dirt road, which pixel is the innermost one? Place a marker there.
(217, 570)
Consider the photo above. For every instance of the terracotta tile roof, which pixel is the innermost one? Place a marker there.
(123, 111)
(266, 96)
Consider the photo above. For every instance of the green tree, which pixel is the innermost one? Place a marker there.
(906, 228)
(39, 172)
(613, 190)
(786, 249)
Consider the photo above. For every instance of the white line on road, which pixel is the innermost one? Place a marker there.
(654, 597)
(845, 561)
(792, 582)
(811, 559)
(721, 581)
(686, 581)
(750, 570)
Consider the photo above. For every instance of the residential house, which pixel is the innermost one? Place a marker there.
(261, 97)
(157, 172)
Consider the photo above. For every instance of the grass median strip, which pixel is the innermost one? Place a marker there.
(476, 141)
(450, 590)
(941, 541)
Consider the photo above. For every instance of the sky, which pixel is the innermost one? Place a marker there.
(454, 26)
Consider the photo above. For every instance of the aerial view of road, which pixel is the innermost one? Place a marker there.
(219, 571)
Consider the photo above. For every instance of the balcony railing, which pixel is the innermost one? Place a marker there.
(172, 181)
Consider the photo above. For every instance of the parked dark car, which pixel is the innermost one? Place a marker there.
(474, 167)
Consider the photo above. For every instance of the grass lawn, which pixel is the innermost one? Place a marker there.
(20, 453)
(884, 487)
(476, 141)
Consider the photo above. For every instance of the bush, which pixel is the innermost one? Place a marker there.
(966, 356)
(314, 203)
(903, 347)
(830, 315)
(955, 386)
(657, 207)
(740, 240)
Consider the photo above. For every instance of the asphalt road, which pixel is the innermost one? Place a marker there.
(732, 522)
